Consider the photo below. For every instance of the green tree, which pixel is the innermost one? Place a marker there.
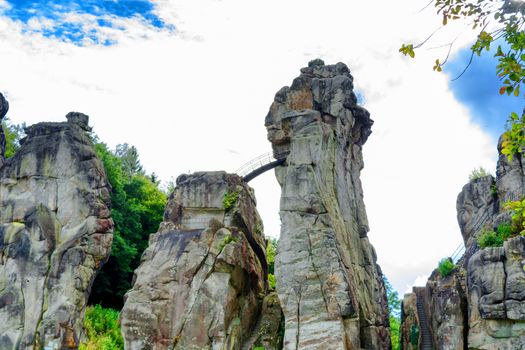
(129, 157)
(13, 134)
(394, 309)
(271, 250)
(137, 209)
(478, 173)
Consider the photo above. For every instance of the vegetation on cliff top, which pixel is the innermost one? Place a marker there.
(445, 267)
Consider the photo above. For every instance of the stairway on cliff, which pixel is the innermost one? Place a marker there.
(426, 337)
(250, 342)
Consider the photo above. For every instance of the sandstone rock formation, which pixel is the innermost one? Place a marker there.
(4, 107)
(481, 305)
(409, 331)
(202, 280)
(329, 284)
(55, 233)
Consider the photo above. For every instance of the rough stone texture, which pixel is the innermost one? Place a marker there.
(409, 330)
(496, 284)
(484, 299)
(476, 206)
(202, 279)
(4, 107)
(55, 233)
(329, 284)
(445, 303)
(267, 333)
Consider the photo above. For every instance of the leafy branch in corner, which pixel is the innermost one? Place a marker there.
(507, 19)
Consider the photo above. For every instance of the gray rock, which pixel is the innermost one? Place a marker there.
(55, 234)
(4, 107)
(482, 305)
(329, 284)
(477, 207)
(202, 280)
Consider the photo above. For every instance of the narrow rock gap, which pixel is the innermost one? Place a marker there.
(298, 333)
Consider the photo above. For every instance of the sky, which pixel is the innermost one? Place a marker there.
(189, 82)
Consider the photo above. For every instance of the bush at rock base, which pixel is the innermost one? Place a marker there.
(102, 329)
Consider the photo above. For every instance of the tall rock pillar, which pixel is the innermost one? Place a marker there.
(55, 234)
(329, 284)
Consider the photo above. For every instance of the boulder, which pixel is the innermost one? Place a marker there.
(496, 285)
(55, 234)
(330, 287)
(203, 277)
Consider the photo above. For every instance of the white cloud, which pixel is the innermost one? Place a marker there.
(188, 98)
(420, 281)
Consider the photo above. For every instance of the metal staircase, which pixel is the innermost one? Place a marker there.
(426, 336)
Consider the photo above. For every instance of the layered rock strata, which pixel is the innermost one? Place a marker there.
(481, 305)
(330, 287)
(55, 233)
(202, 280)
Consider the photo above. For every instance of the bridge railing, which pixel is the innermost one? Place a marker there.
(458, 253)
(256, 163)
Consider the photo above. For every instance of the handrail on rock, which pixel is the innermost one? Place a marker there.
(259, 165)
(458, 253)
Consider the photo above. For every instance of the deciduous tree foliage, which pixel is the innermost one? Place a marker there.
(500, 21)
(394, 308)
(13, 133)
(494, 20)
(137, 206)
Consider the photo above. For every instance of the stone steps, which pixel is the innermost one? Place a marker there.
(426, 336)
(249, 343)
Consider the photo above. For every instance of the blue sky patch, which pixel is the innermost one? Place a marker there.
(91, 17)
(478, 89)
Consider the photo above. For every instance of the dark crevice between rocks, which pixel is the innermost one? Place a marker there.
(259, 252)
(298, 333)
(463, 305)
(504, 260)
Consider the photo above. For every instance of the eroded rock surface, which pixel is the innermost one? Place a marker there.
(202, 280)
(329, 284)
(55, 233)
(4, 107)
(409, 330)
(482, 304)
(496, 284)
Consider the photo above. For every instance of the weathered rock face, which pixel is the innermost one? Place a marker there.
(203, 277)
(476, 206)
(496, 284)
(443, 312)
(4, 107)
(409, 330)
(329, 284)
(482, 304)
(55, 233)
